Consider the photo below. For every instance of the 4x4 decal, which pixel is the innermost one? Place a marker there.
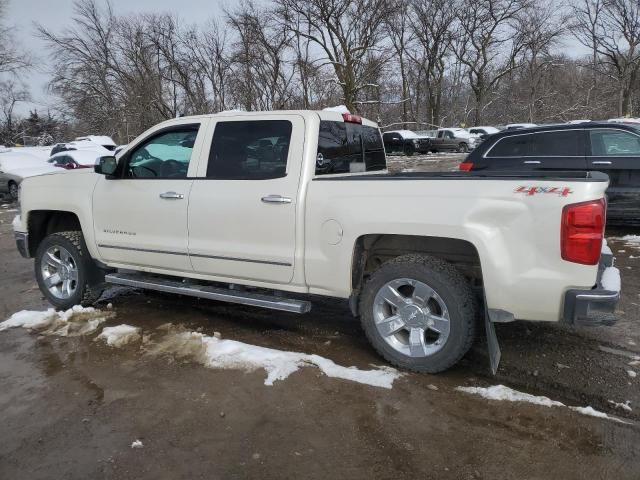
(530, 191)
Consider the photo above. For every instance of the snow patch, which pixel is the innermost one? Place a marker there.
(611, 279)
(120, 335)
(338, 108)
(632, 373)
(74, 322)
(230, 354)
(624, 406)
(501, 392)
(137, 444)
(605, 248)
(632, 240)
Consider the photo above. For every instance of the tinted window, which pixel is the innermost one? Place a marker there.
(166, 155)
(609, 142)
(516, 146)
(349, 147)
(566, 143)
(249, 150)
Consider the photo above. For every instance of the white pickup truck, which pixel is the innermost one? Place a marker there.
(239, 207)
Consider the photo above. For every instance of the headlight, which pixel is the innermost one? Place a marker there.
(416, 142)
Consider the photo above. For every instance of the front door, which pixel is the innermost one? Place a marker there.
(140, 217)
(242, 211)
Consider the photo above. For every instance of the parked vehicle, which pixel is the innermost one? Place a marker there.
(16, 167)
(204, 206)
(612, 148)
(72, 159)
(453, 140)
(405, 141)
(102, 140)
(483, 132)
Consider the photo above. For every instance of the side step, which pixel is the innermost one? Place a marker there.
(208, 292)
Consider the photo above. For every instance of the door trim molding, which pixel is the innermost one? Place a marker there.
(197, 255)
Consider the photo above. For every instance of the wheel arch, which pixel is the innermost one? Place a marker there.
(372, 250)
(41, 223)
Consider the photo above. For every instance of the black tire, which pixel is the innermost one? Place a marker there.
(13, 191)
(90, 278)
(409, 150)
(462, 148)
(453, 289)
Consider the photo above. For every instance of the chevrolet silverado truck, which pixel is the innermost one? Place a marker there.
(236, 207)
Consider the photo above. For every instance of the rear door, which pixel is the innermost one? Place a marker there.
(242, 208)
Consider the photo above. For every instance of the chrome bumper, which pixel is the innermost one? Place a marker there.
(595, 307)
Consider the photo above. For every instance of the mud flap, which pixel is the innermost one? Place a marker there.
(493, 348)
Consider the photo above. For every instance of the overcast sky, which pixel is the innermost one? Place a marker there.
(56, 14)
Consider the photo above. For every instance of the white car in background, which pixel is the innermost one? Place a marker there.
(16, 167)
(103, 140)
(72, 159)
(483, 130)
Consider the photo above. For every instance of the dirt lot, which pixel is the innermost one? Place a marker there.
(71, 407)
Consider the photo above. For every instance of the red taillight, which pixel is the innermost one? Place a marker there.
(582, 231)
(347, 117)
(465, 166)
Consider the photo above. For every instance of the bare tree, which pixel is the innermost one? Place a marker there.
(612, 29)
(490, 44)
(349, 35)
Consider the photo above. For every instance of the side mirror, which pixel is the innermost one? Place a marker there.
(106, 166)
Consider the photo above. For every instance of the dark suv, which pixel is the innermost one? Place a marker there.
(406, 141)
(612, 148)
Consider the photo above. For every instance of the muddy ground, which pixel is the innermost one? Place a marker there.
(71, 407)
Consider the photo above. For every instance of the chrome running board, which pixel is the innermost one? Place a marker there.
(208, 292)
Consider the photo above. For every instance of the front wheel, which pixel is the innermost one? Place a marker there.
(419, 313)
(409, 150)
(65, 271)
(462, 148)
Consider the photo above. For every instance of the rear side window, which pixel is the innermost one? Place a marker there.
(544, 144)
(567, 143)
(612, 143)
(249, 150)
(348, 148)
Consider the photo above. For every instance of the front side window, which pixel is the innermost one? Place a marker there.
(166, 155)
(612, 143)
(249, 150)
(348, 148)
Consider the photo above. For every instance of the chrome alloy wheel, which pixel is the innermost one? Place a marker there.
(59, 272)
(411, 317)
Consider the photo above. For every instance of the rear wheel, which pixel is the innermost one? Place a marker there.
(65, 271)
(419, 313)
(13, 191)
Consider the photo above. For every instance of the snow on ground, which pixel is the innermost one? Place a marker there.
(605, 247)
(120, 335)
(501, 392)
(230, 354)
(611, 279)
(71, 323)
(632, 240)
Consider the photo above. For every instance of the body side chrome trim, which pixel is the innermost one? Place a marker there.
(197, 255)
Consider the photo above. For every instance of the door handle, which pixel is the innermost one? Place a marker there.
(601, 162)
(276, 199)
(172, 196)
(532, 162)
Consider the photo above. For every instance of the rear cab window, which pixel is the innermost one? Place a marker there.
(345, 147)
(249, 150)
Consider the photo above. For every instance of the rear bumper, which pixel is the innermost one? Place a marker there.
(594, 307)
(22, 243)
